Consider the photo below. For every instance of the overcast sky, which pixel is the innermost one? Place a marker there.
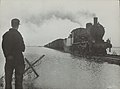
(43, 21)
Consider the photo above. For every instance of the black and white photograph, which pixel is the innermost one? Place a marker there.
(59, 44)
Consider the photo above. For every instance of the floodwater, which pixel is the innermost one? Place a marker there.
(59, 70)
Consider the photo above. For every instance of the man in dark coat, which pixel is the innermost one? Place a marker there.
(13, 46)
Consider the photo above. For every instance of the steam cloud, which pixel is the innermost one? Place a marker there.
(73, 17)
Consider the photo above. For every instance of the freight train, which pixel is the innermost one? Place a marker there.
(89, 40)
(84, 41)
(56, 44)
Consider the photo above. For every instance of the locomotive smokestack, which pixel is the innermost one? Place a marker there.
(88, 25)
(95, 20)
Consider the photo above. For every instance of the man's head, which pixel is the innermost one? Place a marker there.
(15, 23)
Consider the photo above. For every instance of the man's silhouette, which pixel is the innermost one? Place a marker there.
(13, 46)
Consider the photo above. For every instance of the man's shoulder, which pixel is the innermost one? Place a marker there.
(9, 33)
(12, 33)
(5, 34)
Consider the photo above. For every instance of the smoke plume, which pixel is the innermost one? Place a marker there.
(73, 17)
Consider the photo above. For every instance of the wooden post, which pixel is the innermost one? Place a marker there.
(34, 63)
(31, 65)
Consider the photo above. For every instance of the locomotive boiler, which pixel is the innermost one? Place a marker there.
(89, 40)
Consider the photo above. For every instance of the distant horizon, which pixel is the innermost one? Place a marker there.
(45, 44)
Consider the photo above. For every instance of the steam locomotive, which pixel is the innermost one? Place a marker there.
(89, 40)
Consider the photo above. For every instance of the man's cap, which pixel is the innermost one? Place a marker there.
(15, 21)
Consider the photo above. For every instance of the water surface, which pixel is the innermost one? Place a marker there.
(60, 70)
